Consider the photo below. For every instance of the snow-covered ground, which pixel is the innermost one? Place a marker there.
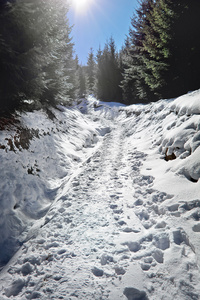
(101, 201)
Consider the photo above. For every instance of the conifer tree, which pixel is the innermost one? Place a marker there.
(156, 46)
(82, 82)
(35, 53)
(134, 85)
(186, 44)
(161, 58)
(80, 79)
(91, 66)
(109, 73)
(99, 74)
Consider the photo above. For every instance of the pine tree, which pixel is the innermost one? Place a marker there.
(59, 68)
(80, 79)
(156, 52)
(91, 66)
(81, 82)
(134, 85)
(162, 58)
(128, 82)
(109, 73)
(186, 45)
(35, 53)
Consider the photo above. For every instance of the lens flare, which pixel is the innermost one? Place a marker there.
(81, 6)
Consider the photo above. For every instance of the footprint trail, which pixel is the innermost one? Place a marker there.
(108, 236)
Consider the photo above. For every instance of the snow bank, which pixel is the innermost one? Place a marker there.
(182, 135)
(36, 155)
(173, 128)
(188, 104)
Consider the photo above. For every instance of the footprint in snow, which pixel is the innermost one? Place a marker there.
(128, 230)
(139, 202)
(159, 197)
(15, 288)
(161, 225)
(162, 241)
(119, 271)
(106, 259)
(113, 206)
(97, 272)
(26, 269)
(118, 211)
(134, 294)
(196, 227)
(180, 236)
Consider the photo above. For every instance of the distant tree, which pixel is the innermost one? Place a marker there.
(82, 81)
(115, 72)
(108, 73)
(91, 70)
(99, 74)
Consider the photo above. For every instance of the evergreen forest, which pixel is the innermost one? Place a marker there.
(38, 67)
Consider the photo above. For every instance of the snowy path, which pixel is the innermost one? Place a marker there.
(107, 237)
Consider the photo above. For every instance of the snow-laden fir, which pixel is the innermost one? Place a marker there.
(101, 201)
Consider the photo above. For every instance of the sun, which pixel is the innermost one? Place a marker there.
(81, 6)
(80, 3)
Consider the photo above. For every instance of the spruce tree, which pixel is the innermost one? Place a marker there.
(109, 73)
(156, 46)
(35, 53)
(81, 82)
(134, 85)
(186, 45)
(161, 59)
(91, 66)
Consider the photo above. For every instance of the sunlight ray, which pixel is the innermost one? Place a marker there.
(81, 6)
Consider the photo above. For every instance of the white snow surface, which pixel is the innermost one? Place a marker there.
(102, 202)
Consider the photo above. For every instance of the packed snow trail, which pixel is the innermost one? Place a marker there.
(109, 235)
(76, 253)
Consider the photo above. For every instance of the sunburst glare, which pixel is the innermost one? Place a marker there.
(81, 6)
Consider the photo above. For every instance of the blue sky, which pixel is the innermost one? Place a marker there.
(100, 20)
